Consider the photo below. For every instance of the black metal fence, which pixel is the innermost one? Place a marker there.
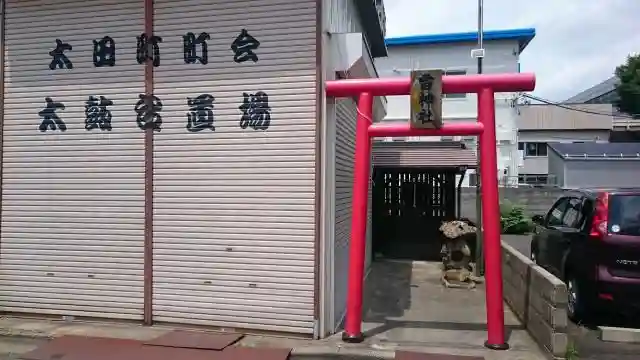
(408, 207)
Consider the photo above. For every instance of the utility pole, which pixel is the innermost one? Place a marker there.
(480, 34)
(479, 53)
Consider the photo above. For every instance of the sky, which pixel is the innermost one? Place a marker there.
(578, 43)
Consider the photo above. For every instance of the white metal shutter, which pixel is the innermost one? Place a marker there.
(346, 118)
(345, 151)
(72, 201)
(234, 208)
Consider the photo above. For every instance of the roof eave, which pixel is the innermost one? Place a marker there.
(575, 158)
(523, 36)
(372, 28)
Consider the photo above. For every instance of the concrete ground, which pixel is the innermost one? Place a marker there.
(407, 309)
(408, 306)
(586, 338)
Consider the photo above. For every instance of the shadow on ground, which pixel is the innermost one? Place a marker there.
(405, 301)
(388, 290)
(409, 244)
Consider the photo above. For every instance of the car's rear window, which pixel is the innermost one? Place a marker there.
(624, 215)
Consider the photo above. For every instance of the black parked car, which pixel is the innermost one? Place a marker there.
(591, 240)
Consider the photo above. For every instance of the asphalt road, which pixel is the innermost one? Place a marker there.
(521, 243)
(585, 338)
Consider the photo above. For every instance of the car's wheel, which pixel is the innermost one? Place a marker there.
(577, 301)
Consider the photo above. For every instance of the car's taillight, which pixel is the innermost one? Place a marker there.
(599, 225)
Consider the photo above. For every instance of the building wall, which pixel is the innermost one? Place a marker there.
(342, 16)
(556, 168)
(242, 196)
(344, 155)
(600, 173)
(340, 126)
(501, 57)
(562, 135)
(571, 117)
(623, 122)
(534, 166)
(73, 200)
(345, 131)
(537, 165)
(217, 223)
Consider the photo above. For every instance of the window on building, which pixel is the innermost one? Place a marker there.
(455, 72)
(450, 73)
(533, 179)
(533, 148)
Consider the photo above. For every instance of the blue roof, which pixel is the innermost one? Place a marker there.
(523, 36)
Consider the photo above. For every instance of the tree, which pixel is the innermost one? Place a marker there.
(628, 88)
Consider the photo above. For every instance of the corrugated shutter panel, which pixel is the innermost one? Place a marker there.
(234, 208)
(436, 154)
(345, 151)
(346, 115)
(72, 201)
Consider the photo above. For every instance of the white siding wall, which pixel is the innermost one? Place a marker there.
(72, 201)
(610, 173)
(402, 59)
(342, 17)
(234, 208)
(534, 165)
(500, 58)
(556, 168)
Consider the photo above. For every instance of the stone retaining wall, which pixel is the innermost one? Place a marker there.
(536, 201)
(538, 298)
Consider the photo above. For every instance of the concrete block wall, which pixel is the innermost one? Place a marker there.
(535, 200)
(538, 298)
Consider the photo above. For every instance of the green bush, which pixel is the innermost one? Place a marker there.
(513, 219)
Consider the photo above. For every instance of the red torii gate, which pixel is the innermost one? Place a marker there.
(485, 86)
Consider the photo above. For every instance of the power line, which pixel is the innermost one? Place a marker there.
(549, 102)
